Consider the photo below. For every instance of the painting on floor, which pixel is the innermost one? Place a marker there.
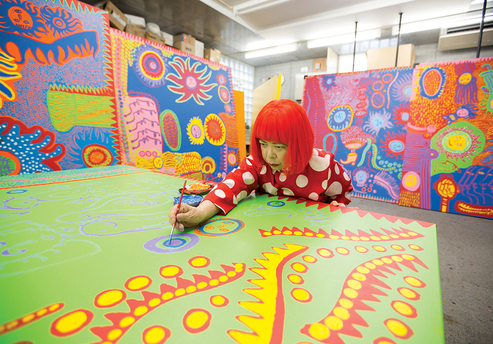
(361, 117)
(176, 112)
(87, 258)
(448, 162)
(57, 106)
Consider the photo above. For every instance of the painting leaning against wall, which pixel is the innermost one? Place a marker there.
(361, 118)
(56, 96)
(176, 111)
(448, 163)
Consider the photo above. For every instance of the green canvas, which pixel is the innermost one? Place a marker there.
(85, 257)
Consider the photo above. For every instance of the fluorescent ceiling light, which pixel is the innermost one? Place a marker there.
(347, 38)
(439, 23)
(477, 2)
(272, 51)
(267, 44)
(251, 6)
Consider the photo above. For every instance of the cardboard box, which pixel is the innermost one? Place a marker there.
(155, 38)
(186, 47)
(184, 38)
(137, 21)
(135, 30)
(199, 48)
(385, 57)
(168, 39)
(118, 20)
(213, 55)
(320, 65)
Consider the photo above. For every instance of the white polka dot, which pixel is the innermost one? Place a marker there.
(324, 184)
(318, 163)
(282, 177)
(235, 200)
(269, 188)
(301, 181)
(248, 162)
(287, 192)
(346, 176)
(248, 178)
(313, 196)
(220, 193)
(334, 189)
(241, 195)
(229, 182)
(336, 168)
(263, 170)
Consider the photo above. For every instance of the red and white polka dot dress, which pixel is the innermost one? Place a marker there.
(322, 180)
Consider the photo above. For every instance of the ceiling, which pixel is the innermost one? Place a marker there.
(238, 26)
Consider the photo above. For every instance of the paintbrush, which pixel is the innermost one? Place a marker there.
(177, 211)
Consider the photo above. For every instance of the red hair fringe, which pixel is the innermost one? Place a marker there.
(284, 121)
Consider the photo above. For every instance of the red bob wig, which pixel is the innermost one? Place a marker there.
(284, 121)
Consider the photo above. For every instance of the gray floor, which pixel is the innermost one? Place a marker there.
(465, 251)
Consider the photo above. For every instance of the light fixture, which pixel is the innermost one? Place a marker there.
(272, 51)
(347, 38)
(439, 23)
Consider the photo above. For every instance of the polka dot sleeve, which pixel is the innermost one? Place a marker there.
(237, 185)
(339, 184)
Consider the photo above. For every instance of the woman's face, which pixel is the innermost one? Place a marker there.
(274, 154)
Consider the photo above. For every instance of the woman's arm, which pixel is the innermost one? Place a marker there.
(192, 216)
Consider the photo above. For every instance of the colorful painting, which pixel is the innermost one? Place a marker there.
(448, 158)
(361, 117)
(176, 111)
(86, 257)
(57, 107)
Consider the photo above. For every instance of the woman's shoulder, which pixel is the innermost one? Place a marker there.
(320, 160)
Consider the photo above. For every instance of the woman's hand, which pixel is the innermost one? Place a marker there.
(192, 216)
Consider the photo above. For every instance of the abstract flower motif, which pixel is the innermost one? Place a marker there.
(467, 89)
(457, 142)
(394, 144)
(401, 114)
(340, 118)
(45, 34)
(195, 131)
(328, 81)
(402, 88)
(150, 66)
(432, 82)
(60, 21)
(189, 82)
(91, 147)
(377, 121)
(215, 130)
(20, 17)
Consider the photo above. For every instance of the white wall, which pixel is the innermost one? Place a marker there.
(424, 53)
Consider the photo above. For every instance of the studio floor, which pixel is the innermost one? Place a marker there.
(465, 249)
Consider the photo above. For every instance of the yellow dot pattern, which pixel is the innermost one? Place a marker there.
(199, 262)
(404, 234)
(138, 283)
(398, 328)
(354, 293)
(301, 295)
(140, 308)
(29, 318)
